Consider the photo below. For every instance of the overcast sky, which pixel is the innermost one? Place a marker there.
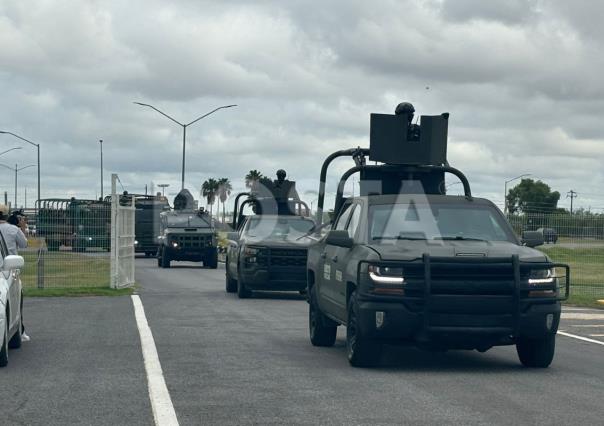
(522, 82)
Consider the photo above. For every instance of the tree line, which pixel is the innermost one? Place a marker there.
(218, 190)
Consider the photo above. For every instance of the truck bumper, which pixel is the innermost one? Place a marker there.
(409, 322)
(274, 279)
(191, 255)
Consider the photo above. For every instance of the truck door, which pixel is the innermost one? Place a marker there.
(340, 262)
(329, 289)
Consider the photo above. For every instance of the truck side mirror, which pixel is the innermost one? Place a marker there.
(532, 238)
(339, 238)
(233, 236)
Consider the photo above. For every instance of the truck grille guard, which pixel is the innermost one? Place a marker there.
(518, 279)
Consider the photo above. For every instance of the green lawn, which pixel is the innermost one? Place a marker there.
(586, 269)
(67, 270)
(77, 292)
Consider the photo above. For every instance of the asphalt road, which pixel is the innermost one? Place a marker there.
(230, 361)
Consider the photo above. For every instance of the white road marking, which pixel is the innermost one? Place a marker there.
(161, 403)
(574, 336)
(587, 325)
(574, 315)
(596, 335)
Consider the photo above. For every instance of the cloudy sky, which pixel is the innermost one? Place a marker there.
(522, 80)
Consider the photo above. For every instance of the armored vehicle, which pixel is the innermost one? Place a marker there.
(406, 263)
(268, 251)
(75, 223)
(187, 233)
(146, 222)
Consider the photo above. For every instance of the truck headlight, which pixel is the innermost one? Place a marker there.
(542, 276)
(174, 244)
(250, 251)
(386, 275)
(135, 242)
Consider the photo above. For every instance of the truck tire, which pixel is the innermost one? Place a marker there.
(212, 261)
(242, 291)
(231, 284)
(321, 329)
(165, 260)
(4, 347)
(536, 353)
(362, 351)
(158, 255)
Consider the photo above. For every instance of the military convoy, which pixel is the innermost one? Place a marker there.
(187, 233)
(269, 247)
(76, 223)
(405, 263)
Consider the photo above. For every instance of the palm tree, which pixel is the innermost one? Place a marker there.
(224, 190)
(252, 178)
(209, 190)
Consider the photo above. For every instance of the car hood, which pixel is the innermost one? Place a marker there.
(410, 250)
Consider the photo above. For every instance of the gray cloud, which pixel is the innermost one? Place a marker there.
(521, 80)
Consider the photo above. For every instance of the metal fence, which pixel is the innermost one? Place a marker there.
(71, 245)
(574, 239)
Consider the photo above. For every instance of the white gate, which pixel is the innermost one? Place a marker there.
(122, 239)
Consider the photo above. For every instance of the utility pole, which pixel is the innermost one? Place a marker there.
(572, 195)
(101, 143)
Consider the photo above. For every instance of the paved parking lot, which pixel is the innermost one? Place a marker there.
(231, 361)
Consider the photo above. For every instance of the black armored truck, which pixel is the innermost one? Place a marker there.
(405, 263)
(187, 234)
(269, 247)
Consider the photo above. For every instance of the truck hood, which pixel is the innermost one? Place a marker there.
(410, 250)
(278, 243)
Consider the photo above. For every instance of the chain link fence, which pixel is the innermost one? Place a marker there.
(577, 240)
(72, 243)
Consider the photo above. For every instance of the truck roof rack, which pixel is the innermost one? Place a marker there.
(407, 151)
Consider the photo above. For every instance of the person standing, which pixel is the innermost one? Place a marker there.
(14, 238)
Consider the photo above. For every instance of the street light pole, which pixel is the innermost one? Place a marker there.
(37, 145)
(505, 191)
(184, 131)
(101, 143)
(16, 170)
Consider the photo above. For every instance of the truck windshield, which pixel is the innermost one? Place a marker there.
(183, 220)
(408, 221)
(289, 228)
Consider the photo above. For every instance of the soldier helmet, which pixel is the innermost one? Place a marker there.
(404, 108)
(281, 175)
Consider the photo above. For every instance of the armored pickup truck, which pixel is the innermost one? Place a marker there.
(268, 250)
(405, 263)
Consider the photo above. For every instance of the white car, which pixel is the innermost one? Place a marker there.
(11, 302)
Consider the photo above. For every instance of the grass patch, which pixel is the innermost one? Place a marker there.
(583, 300)
(586, 272)
(77, 292)
(67, 270)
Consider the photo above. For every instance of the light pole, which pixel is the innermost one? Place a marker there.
(184, 131)
(16, 170)
(101, 144)
(163, 186)
(37, 145)
(505, 191)
(9, 150)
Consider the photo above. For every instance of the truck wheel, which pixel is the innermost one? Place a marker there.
(536, 353)
(165, 260)
(231, 284)
(362, 351)
(322, 330)
(212, 262)
(242, 291)
(4, 347)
